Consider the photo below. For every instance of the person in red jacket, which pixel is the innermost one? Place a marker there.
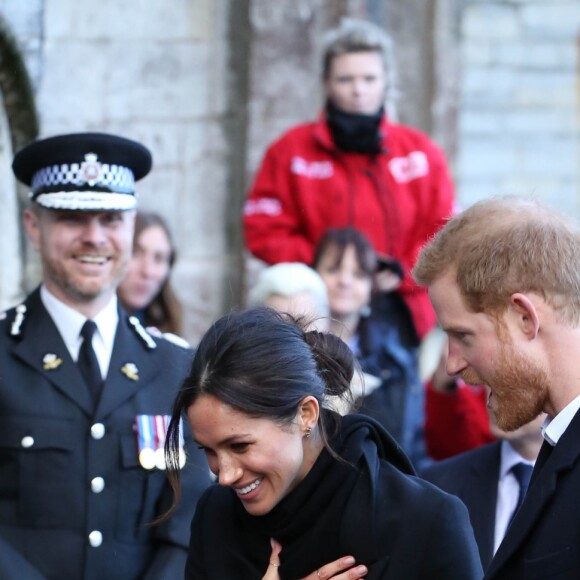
(353, 167)
(456, 418)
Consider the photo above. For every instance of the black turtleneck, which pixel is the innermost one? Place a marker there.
(367, 505)
(355, 132)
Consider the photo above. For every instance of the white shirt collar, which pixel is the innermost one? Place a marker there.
(553, 429)
(69, 323)
(106, 321)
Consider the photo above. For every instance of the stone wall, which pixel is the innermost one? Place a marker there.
(519, 130)
(207, 84)
(157, 72)
(18, 125)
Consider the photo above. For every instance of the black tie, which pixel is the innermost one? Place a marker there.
(87, 361)
(522, 472)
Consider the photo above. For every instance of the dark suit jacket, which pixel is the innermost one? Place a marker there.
(473, 477)
(48, 458)
(543, 540)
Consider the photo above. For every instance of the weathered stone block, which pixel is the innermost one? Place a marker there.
(536, 54)
(491, 20)
(488, 86)
(555, 19)
(137, 19)
(201, 285)
(485, 158)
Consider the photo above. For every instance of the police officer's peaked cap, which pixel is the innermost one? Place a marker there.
(83, 171)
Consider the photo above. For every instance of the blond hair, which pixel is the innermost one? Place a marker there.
(503, 245)
(355, 35)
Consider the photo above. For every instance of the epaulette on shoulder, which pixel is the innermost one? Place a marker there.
(142, 333)
(176, 339)
(169, 337)
(15, 328)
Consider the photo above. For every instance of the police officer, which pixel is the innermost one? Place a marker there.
(84, 389)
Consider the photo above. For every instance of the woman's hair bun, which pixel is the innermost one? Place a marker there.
(335, 362)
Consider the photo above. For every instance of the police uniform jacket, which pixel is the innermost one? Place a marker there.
(75, 503)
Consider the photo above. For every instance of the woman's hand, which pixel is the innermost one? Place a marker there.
(272, 571)
(341, 569)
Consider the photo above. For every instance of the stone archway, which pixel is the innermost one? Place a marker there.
(18, 126)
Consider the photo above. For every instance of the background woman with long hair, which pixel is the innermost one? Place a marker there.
(146, 291)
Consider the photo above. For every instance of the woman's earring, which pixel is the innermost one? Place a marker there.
(308, 432)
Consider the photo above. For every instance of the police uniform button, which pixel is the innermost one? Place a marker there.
(95, 538)
(27, 441)
(97, 484)
(98, 431)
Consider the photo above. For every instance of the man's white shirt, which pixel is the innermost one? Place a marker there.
(69, 323)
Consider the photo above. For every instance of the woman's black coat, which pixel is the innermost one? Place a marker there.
(370, 506)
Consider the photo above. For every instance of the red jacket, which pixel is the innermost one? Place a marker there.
(398, 199)
(456, 421)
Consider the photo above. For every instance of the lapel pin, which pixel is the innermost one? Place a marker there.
(131, 371)
(51, 362)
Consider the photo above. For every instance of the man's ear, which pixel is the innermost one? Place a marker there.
(32, 227)
(527, 317)
(308, 413)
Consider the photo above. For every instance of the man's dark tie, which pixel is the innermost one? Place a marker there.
(522, 472)
(87, 361)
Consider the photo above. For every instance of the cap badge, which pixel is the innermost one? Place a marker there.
(131, 371)
(50, 362)
(91, 169)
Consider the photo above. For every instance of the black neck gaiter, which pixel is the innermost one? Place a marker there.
(355, 132)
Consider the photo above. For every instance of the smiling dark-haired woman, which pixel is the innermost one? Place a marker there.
(299, 488)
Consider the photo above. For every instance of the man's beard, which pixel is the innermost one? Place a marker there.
(519, 387)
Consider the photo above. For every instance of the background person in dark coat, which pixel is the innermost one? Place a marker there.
(77, 486)
(484, 481)
(291, 470)
(347, 262)
(503, 277)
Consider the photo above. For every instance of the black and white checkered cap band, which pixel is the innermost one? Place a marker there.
(111, 177)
